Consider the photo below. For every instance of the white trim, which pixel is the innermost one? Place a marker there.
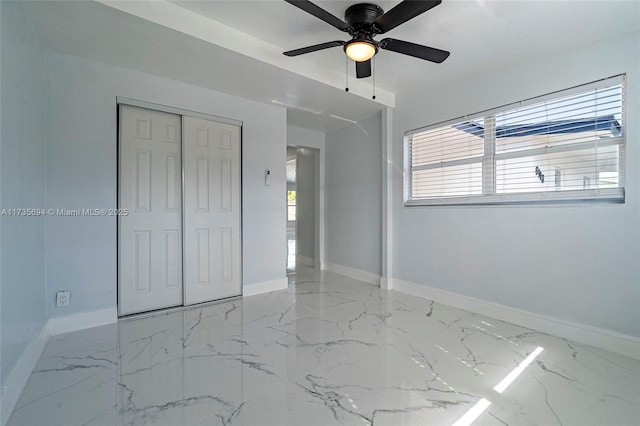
(576, 197)
(580, 333)
(265, 287)
(386, 283)
(354, 273)
(387, 198)
(19, 376)
(305, 260)
(319, 211)
(82, 320)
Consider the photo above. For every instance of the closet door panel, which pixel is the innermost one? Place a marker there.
(212, 215)
(150, 188)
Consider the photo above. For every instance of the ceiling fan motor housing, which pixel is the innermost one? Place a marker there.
(361, 17)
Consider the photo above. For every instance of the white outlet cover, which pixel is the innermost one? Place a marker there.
(62, 298)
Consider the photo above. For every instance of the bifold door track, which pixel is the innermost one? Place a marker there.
(167, 311)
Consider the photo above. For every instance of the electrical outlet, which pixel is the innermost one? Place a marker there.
(62, 298)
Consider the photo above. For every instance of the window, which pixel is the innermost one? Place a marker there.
(566, 146)
(291, 205)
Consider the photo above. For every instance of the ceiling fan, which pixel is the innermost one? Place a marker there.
(363, 22)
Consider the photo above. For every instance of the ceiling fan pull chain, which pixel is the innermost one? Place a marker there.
(346, 89)
(374, 77)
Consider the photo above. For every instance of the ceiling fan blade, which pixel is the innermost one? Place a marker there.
(416, 50)
(363, 69)
(313, 48)
(404, 11)
(320, 13)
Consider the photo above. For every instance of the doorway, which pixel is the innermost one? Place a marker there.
(292, 160)
(179, 183)
(303, 204)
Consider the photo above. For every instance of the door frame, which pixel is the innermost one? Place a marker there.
(286, 210)
(120, 100)
(318, 244)
(173, 110)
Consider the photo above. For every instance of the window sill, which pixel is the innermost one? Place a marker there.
(597, 196)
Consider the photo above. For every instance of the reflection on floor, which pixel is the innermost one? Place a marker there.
(329, 351)
(291, 256)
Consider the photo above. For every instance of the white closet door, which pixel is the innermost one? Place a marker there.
(211, 210)
(150, 187)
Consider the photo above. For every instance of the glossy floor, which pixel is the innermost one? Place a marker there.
(329, 351)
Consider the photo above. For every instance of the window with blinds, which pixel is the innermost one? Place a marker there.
(565, 146)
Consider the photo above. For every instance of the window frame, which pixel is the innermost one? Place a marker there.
(489, 159)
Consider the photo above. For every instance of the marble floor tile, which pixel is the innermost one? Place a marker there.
(330, 350)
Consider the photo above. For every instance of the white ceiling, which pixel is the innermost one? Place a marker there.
(480, 34)
(236, 46)
(95, 31)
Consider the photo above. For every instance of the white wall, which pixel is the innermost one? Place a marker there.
(82, 174)
(306, 204)
(297, 136)
(22, 177)
(578, 263)
(2, 387)
(353, 193)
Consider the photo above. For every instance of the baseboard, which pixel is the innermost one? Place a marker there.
(19, 376)
(305, 260)
(386, 283)
(354, 273)
(580, 333)
(265, 287)
(82, 320)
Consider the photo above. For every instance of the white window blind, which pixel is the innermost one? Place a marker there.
(565, 146)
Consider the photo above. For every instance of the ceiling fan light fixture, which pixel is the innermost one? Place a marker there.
(360, 50)
(363, 22)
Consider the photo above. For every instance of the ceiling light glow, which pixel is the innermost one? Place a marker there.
(360, 50)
